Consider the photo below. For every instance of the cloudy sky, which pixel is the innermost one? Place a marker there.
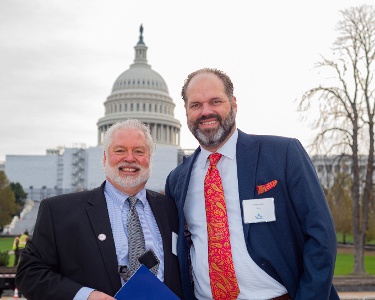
(59, 59)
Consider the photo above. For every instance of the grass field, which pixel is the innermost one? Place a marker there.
(6, 243)
(344, 261)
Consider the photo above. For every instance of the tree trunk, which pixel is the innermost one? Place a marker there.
(358, 268)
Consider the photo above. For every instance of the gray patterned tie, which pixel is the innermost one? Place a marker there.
(136, 239)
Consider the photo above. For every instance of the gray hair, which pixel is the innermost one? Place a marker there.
(128, 124)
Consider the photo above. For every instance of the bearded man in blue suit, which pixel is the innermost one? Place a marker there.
(282, 236)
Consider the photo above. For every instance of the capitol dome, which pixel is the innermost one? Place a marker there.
(142, 93)
(140, 76)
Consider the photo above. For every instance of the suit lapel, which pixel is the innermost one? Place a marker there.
(98, 215)
(161, 217)
(184, 179)
(247, 151)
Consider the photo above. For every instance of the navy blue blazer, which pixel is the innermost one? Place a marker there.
(299, 248)
(66, 253)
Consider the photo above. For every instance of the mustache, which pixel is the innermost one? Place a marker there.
(203, 118)
(128, 165)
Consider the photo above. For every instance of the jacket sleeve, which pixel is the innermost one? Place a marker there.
(173, 191)
(319, 246)
(38, 276)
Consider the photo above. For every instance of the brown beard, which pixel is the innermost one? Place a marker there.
(212, 138)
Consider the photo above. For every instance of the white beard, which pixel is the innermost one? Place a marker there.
(113, 174)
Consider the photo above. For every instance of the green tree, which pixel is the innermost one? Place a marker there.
(19, 193)
(371, 223)
(371, 228)
(339, 201)
(8, 206)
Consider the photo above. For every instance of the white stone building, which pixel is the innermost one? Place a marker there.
(327, 167)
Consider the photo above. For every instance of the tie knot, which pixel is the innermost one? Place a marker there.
(132, 201)
(214, 158)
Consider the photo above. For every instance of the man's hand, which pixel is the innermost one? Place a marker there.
(96, 295)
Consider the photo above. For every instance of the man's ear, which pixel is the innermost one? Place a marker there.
(234, 103)
(104, 158)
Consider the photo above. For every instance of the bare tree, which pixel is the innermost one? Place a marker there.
(346, 105)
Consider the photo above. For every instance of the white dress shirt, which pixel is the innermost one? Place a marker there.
(254, 283)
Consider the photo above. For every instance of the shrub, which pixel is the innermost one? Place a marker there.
(4, 258)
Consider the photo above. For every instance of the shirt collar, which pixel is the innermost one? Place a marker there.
(228, 150)
(119, 197)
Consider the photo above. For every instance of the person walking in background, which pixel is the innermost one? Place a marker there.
(22, 241)
(254, 221)
(80, 240)
(16, 249)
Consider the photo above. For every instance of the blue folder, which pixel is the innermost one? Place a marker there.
(144, 285)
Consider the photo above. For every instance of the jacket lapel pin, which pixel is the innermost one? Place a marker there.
(266, 187)
(102, 237)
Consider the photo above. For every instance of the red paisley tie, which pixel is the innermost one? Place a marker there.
(224, 285)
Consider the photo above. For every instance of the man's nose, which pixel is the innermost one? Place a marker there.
(206, 109)
(129, 156)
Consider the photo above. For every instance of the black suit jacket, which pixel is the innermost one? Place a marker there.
(65, 253)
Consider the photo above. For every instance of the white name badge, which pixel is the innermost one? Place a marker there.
(259, 210)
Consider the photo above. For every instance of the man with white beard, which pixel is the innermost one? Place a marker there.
(80, 240)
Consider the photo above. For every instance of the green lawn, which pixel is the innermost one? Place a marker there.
(6, 243)
(345, 261)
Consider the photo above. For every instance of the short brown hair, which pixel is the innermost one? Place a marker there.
(222, 75)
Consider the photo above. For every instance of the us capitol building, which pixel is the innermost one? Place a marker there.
(139, 93)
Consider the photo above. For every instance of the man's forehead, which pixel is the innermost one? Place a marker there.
(204, 76)
(129, 137)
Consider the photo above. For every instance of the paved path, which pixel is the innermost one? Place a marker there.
(343, 296)
(357, 295)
